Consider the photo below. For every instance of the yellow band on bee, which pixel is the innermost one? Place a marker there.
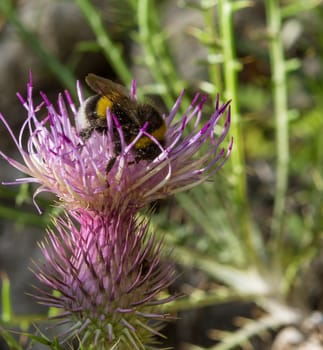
(158, 134)
(102, 105)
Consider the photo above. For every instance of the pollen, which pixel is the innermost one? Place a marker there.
(102, 105)
(158, 134)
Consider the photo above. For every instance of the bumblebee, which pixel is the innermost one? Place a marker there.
(130, 114)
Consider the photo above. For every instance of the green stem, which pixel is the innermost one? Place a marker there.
(147, 36)
(6, 313)
(111, 51)
(200, 298)
(244, 281)
(214, 69)
(251, 328)
(281, 120)
(23, 218)
(231, 67)
(156, 53)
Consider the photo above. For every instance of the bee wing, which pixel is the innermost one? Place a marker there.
(115, 92)
(105, 87)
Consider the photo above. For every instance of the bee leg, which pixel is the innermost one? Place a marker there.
(86, 133)
(110, 164)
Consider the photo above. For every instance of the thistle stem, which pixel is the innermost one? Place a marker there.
(278, 65)
(214, 68)
(156, 53)
(111, 51)
(231, 67)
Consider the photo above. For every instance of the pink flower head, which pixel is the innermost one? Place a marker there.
(87, 173)
(108, 273)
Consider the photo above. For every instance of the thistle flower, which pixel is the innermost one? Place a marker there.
(74, 169)
(108, 273)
